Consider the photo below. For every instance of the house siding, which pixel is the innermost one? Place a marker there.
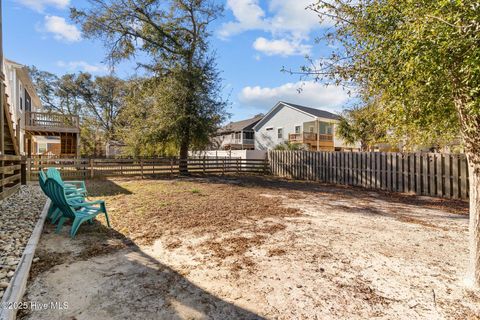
(283, 117)
(18, 97)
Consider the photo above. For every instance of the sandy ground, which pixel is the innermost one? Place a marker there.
(345, 254)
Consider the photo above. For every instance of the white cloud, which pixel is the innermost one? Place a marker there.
(61, 29)
(82, 66)
(248, 16)
(283, 16)
(282, 47)
(312, 94)
(293, 17)
(288, 22)
(40, 5)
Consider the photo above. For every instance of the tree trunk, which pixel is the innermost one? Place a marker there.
(474, 227)
(363, 146)
(470, 127)
(183, 164)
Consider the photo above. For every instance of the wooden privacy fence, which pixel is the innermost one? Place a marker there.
(432, 174)
(10, 175)
(95, 168)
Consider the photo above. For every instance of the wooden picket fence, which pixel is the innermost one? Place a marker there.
(10, 175)
(100, 168)
(432, 174)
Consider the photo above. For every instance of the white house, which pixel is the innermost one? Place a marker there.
(313, 128)
(22, 97)
(37, 131)
(237, 135)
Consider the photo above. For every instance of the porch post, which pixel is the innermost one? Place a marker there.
(29, 141)
(317, 124)
(241, 137)
(77, 144)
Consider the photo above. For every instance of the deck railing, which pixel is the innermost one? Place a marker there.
(325, 137)
(309, 136)
(51, 120)
(230, 140)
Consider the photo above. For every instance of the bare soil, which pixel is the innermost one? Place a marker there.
(257, 248)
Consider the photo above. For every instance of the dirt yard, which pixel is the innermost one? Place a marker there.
(254, 248)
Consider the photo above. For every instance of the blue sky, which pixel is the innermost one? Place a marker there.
(253, 41)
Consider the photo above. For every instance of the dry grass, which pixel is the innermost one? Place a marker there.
(269, 245)
(147, 210)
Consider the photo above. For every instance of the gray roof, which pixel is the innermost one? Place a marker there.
(314, 112)
(241, 125)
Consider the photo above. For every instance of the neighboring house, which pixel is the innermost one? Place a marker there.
(114, 149)
(237, 135)
(22, 97)
(31, 121)
(310, 127)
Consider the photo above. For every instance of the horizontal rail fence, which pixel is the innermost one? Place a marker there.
(10, 175)
(432, 174)
(94, 168)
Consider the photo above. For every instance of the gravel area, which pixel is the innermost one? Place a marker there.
(18, 216)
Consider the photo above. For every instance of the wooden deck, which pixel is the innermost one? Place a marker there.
(45, 123)
(325, 141)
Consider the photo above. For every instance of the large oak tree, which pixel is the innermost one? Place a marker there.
(173, 35)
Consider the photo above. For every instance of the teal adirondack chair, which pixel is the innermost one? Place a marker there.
(78, 212)
(53, 212)
(70, 186)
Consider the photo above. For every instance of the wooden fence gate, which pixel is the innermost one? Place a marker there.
(432, 174)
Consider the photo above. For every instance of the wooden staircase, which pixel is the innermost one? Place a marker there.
(10, 141)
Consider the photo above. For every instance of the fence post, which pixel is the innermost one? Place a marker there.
(171, 165)
(92, 173)
(204, 164)
(141, 167)
(29, 169)
(23, 171)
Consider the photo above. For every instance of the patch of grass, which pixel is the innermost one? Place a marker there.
(195, 191)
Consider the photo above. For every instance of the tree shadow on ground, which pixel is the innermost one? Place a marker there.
(128, 282)
(356, 199)
(105, 187)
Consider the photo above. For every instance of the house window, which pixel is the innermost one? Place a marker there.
(21, 103)
(42, 147)
(325, 128)
(269, 128)
(28, 102)
(280, 133)
(298, 129)
(248, 135)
